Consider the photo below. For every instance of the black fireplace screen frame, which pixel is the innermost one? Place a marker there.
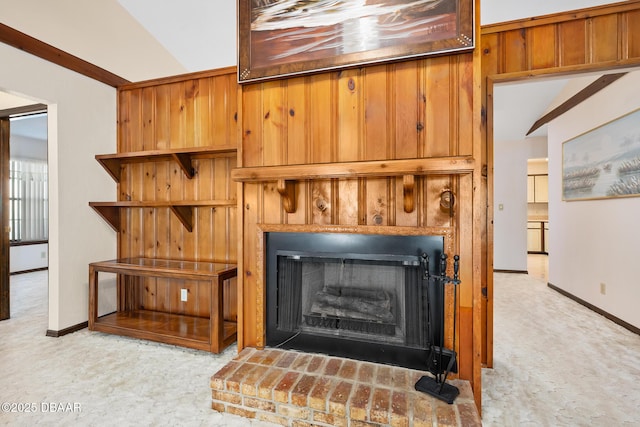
(403, 248)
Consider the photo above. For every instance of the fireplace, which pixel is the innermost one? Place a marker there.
(360, 296)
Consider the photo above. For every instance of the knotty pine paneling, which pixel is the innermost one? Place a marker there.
(632, 43)
(193, 111)
(374, 113)
(413, 109)
(572, 42)
(541, 47)
(590, 38)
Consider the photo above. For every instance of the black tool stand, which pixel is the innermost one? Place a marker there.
(437, 385)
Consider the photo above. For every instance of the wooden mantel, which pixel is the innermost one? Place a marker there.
(288, 175)
(377, 168)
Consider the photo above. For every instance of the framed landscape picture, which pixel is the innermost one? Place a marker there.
(282, 38)
(604, 162)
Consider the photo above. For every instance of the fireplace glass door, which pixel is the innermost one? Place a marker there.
(352, 297)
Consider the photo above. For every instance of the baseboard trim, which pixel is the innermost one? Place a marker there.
(69, 330)
(28, 271)
(598, 310)
(511, 271)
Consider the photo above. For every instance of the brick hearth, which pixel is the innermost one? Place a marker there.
(301, 389)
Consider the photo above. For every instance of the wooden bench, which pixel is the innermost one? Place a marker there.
(205, 329)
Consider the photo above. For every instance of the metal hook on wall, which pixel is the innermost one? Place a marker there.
(447, 201)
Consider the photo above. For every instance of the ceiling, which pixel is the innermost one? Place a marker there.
(193, 35)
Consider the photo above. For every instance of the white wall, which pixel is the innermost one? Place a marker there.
(81, 123)
(493, 11)
(28, 257)
(510, 191)
(595, 241)
(510, 206)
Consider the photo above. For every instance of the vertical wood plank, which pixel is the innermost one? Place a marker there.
(320, 118)
(252, 126)
(514, 42)
(632, 37)
(204, 116)
(348, 202)
(162, 113)
(202, 298)
(177, 116)
(124, 125)
(604, 38)
(252, 313)
(191, 130)
(273, 129)
(541, 46)
(465, 107)
(377, 202)
(296, 122)
(405, 100)
(375, 114)
(437, 115)
(572, 43)
(321, 199)
(350, 115)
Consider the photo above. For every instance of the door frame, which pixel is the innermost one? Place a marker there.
(5, 246)
(5, 311)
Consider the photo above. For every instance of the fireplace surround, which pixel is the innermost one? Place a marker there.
(353, 295)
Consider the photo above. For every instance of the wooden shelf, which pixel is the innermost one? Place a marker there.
(287, 175)
(175, 329)
(458, 165)
(212, 333)
(110, 211)
(183, 156)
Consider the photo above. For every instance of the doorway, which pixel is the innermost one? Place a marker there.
(24, 191)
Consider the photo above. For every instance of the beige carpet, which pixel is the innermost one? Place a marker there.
(556, 364)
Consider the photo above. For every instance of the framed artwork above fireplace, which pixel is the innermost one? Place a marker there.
(281, 38)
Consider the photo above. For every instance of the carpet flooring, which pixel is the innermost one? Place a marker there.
(556, 364)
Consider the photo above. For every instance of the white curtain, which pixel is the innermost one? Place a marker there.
(29, 212)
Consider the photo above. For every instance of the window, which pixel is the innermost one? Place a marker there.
(28, 200)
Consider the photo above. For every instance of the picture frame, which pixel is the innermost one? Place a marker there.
(604, 162)
(285, 38)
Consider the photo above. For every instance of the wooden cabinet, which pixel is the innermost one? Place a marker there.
(534, 237)
(537, 188)
(541, 185)
(201, 327)
(545, 237)
(531, 189)
(537, 236)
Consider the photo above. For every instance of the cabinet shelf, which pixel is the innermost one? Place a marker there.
(183, 156)
(110, 211)
(176, 329)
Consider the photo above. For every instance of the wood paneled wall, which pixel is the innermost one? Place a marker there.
(595, 39)
(598, 37)
(415, 109)
(185, 111)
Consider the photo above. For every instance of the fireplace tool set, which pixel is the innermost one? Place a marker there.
(434, 286)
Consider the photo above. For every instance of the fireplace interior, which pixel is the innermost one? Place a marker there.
(354, 295)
